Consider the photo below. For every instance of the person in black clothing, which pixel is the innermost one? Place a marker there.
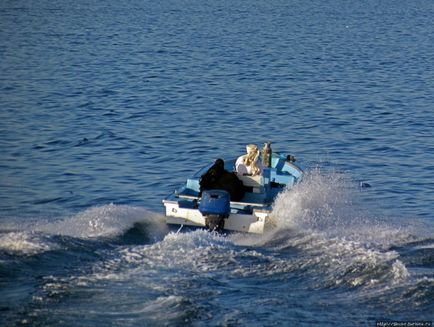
(218, 178)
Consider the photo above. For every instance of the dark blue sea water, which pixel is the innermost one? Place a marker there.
(107, 106)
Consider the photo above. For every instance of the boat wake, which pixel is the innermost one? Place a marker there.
(324, 241)
(329, 204)
(335, 242)
(110, 222)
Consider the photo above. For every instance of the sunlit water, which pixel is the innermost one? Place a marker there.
(107, 106)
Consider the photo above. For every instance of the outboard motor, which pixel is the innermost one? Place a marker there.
(215, 207)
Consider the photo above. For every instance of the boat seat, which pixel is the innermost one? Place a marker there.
(250, 181)
(193, 184)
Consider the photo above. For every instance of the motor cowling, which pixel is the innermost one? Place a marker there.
(215, 207)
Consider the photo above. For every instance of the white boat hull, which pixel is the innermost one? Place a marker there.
(256, 223)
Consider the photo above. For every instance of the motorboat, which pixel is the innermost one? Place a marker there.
(214, 209)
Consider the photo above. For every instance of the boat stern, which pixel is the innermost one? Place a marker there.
(256, 222)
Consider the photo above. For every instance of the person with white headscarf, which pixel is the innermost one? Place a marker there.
(248, 163)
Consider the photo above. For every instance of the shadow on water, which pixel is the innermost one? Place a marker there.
(139, 234)
(418, 254)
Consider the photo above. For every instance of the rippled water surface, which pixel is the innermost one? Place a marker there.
(107, 106)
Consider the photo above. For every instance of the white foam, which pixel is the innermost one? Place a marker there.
(104, 221)
(345, 262)
(198, 251)
(399, 272)
(337, 236)
(32, 237)
(329, 204)
(320, 201)
(24, 243)
(162, 305)
(424, 247)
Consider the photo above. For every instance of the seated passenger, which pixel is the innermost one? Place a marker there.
(248, 164)
(218, 178)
